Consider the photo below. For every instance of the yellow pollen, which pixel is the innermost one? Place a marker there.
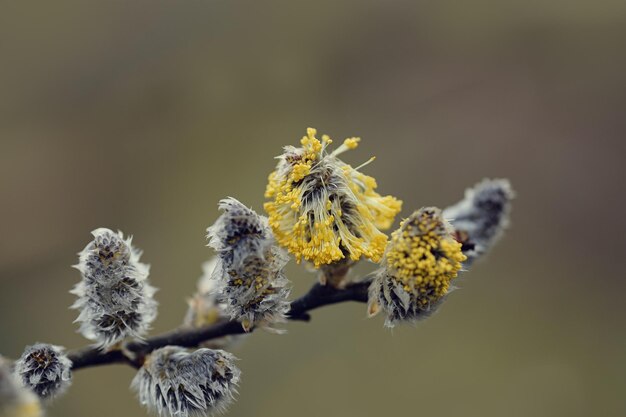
(352, 143)
(423, 256)
(310, 191)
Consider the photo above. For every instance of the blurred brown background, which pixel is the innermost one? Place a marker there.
(141, 115)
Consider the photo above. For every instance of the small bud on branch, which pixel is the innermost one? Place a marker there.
(115, 299)
(44, 369)
(178, 383)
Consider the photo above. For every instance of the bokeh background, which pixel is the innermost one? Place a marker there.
(141, 115)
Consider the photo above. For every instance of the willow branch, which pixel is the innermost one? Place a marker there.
(133, 353)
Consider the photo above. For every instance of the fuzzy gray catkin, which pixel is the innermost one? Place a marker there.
(44, 369)
(249, 278)
(204, 309)
(177, 383)
(481, 216)
(115, 299)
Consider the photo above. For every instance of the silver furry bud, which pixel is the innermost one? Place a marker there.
(206, 310)
(174, 382)
(115, 299)
(249, 278)
(44, 369)
(481, 217)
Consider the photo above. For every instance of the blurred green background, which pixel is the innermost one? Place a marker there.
(141, 115)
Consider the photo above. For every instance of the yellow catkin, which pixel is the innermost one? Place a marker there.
(423, 257)
(310, 190)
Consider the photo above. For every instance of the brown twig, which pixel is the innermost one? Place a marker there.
(133, 353)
